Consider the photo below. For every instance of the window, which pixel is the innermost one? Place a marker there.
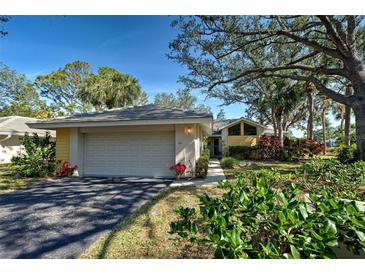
(249, 130)
(234, 130)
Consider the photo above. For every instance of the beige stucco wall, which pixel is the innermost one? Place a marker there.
(187, 144)
(9, 148)
(242, 140)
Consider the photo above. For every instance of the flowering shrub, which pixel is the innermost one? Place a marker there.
(66, 170)
(178, 170)
(38, 158)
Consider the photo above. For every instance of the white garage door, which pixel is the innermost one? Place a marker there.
(129, 154)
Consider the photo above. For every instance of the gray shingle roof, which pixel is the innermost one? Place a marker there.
(219, 124)
(16, 125)
(146, 112)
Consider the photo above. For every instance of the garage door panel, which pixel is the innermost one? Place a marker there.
(129, 154)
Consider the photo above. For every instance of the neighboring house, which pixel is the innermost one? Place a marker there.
(235, 132)
(12, 128)
(137, 141)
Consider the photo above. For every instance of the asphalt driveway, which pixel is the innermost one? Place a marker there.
(61, 219)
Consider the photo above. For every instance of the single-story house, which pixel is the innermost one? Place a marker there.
(12, 128)
(135, 141)
(235, 132)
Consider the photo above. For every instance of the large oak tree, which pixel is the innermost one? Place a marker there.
(182, 98)
(226, 52)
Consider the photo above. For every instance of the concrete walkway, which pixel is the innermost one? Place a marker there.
(215, 174)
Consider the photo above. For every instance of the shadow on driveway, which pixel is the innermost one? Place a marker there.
(60, 219)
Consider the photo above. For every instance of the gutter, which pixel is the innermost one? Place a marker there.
(6, 138)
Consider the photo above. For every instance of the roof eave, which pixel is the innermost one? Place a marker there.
(73, 124)
(18, 133)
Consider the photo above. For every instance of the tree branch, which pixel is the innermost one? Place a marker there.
(326, 71)
(305, 57)
(351, 26)
(332, 33)
(323, 90)
(291, 34)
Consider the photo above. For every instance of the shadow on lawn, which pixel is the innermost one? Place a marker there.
(128, 221)
(145, 233)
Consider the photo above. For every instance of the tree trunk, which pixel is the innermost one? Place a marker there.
(360, 132)
(342, 124)
(357, 104)
(324, 137)
(311, 115)
(279, 125)
(347, 118)
(97, 107)
(274, 122)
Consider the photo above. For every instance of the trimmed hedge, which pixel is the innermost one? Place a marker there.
(241, 152)
(201, 167)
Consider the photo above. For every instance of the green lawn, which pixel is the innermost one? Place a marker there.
(9, 182)
(145, 234)
(283, 167)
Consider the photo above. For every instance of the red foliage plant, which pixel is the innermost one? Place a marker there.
(66, 169)
(269, 141)
(269, 147)
(311, 147)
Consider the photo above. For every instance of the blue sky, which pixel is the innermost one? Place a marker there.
(136, 45)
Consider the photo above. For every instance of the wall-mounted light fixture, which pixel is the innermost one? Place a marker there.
(188, 130)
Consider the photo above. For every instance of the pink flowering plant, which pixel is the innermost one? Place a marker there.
(66, 169)
(178, 170)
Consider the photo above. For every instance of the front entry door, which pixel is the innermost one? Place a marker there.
(216, 147)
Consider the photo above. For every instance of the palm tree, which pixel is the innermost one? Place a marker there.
(111, 88)
(125, 91)
(93, 92)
